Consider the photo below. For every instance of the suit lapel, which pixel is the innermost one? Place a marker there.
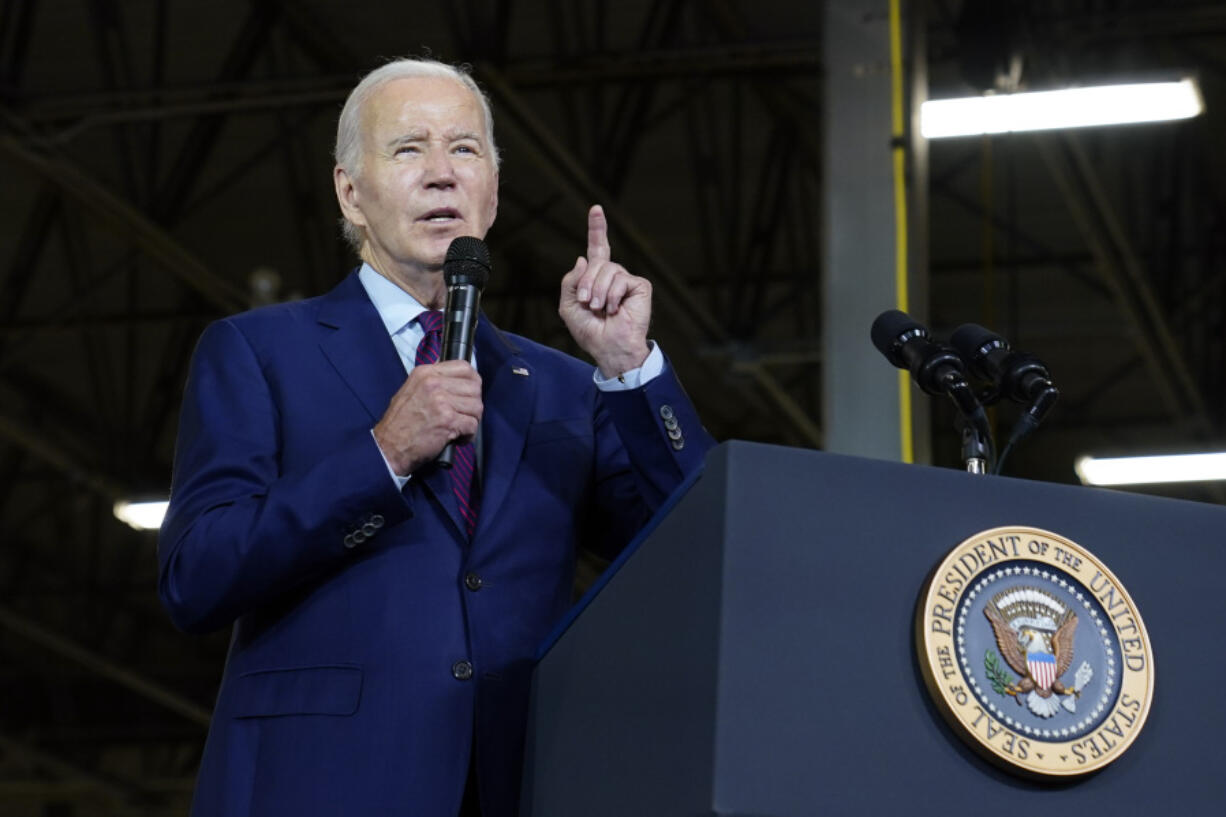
(509, 394)
(364, 357)
(358, 346)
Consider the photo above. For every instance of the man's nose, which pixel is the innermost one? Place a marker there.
(439, 170)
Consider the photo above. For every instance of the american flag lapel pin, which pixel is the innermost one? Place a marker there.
(519, 370)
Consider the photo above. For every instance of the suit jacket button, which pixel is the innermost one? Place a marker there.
(369, 529)
(462, 670)
(678, 445)
(674, 434)
(377, 520)
(472, 581)
(667, 412)
(350, 542)
(670, 423)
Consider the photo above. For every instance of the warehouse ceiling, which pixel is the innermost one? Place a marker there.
(167, 163)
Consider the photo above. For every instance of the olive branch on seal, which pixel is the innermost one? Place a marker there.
(996, 673)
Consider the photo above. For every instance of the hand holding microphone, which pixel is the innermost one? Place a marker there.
(441, 403)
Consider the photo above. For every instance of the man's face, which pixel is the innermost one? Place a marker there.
(427, 174)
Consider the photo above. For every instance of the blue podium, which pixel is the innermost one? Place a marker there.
(752, 654)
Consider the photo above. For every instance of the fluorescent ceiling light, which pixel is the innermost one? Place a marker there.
(1151, 470)
(1069, 108)
(141, 515)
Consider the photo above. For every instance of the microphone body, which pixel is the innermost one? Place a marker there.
(905, 343)
(937, 369)
(1021, 377)
(460, 321)
(466, 270)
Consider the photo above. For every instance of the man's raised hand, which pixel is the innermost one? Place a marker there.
(606, 309)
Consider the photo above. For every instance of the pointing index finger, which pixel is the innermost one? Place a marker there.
(597, 234)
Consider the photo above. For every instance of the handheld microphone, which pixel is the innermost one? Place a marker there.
(466, 269)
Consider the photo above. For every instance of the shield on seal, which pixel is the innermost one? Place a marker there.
(1042, 666)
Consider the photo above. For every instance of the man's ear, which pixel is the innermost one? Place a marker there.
(347, 196)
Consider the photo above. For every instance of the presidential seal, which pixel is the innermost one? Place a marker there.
(1035, 653)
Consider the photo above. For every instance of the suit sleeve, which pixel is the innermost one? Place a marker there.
(662, 441)
(239, 532)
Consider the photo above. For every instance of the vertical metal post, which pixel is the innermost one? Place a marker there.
(869, 266)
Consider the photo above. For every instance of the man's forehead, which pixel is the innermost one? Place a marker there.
(422, 102)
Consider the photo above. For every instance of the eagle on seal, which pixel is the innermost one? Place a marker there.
(1040, 657)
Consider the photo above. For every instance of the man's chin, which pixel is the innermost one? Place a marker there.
(441, 241)
(438, 255)
(438, 246)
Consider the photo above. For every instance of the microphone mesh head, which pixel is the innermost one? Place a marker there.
(971, 338)
(888, 328)
(467, 262)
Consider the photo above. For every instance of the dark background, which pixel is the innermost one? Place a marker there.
(165, 162)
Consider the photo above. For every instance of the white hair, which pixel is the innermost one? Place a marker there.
(348, 152)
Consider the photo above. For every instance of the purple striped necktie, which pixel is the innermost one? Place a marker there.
(464, 468)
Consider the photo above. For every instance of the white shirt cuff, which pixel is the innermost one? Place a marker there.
(400, 481)
(651, 368)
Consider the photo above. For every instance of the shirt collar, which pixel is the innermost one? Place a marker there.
(396, 307)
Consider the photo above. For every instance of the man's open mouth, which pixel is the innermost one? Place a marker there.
(440, 215)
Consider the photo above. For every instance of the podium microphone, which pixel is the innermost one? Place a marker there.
(937, 369)
(466, 269)
(1018, 376)
(906, 344)
(1021, 377)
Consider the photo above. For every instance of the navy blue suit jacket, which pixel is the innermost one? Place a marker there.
(340, 694)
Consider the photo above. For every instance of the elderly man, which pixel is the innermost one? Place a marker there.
(385, 610)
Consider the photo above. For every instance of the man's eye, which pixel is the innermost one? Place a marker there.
(465, 149)
(406, 149)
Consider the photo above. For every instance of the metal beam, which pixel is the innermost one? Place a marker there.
(103, 666)
(37, 228)
(77, 115)
(173, 193)
(16, 22)
(1011, 230)
(127, 223)
(723, 61)
(621, 134)
(866, 406)
(559, 163)
(1124, 273)
(69, 772)
(42, 448)
(786, 106)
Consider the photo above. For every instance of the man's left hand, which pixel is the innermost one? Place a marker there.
(606, 309)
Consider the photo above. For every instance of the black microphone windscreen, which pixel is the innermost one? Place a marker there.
(970, 338)
(467, 262)
(889, 327)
